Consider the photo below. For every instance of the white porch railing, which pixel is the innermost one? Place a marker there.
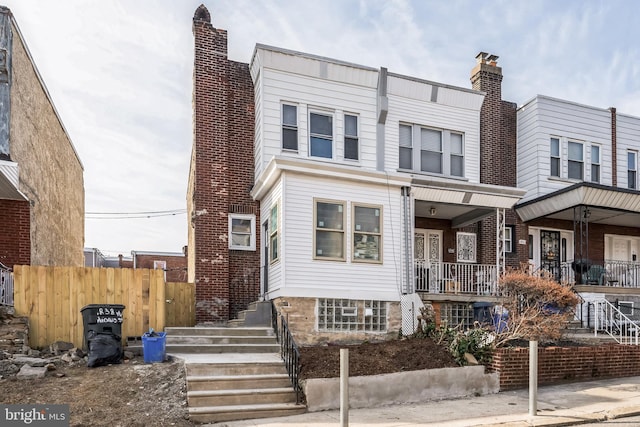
(456, 278)
(622, 273)
(610, 320)
(6, 287)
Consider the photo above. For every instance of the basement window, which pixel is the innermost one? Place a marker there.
(344, 315)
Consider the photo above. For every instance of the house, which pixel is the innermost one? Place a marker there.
(41, 201)
(174, 264)
(344, 194)
(579, 166)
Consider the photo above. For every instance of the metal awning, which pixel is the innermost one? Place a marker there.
(9, 181)
(607, 205)
(461, 202)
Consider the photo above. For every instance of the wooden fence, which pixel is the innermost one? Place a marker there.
(181, 304)
(52, 299)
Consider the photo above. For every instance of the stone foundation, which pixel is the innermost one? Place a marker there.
(14, 332)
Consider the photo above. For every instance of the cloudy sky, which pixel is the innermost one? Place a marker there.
(119, 72)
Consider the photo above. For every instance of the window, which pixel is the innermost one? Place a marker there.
(555, 157)
(575, 163)
(595, 163)
(466, 247)
(350, 137)
(530, 246)
(161, 265)
(321, 135)
(632, 169)
(457, 155)
(367, 233)
(509, 233)
(289, 127)
(457, 314)
(329, 230)
(406, 151)
(431, 150)
(351, 315)
(242, 236)
(273, 233)
(626, 308)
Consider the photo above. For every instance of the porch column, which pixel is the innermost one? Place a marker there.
(500, 244)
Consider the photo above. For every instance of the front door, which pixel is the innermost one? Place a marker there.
(428, 258)
(550, 252)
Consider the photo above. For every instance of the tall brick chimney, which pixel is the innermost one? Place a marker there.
(222, 175)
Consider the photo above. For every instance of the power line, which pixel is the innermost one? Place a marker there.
(137, 213)
(124, 216)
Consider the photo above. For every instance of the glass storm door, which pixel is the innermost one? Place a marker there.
(550, 252)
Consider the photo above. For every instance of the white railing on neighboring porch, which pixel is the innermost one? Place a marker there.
(610, 320)
(456, 278)
(6, 287)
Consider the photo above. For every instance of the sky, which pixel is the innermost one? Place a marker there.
(120, 75)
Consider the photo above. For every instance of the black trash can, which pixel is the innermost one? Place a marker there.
(102, 319)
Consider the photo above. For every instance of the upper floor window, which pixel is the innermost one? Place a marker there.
(632, 169)
(406, 150)
(595, 163)
(555, 157)
(329, 230)
(321, 135)
(367, 233)
(438, 151)
(575, 161)
(289, 127)
(242, 234)
(351, 137)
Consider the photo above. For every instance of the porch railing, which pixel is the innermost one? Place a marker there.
(6, 287)
(288, 351)
(622, 273)
(456, 278)
(611, 320)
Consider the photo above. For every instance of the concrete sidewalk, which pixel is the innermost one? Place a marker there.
(566, 404)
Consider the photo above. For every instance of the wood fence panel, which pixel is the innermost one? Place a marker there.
(180, 305)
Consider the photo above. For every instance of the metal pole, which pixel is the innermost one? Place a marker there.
(344, 387)
(533, 378)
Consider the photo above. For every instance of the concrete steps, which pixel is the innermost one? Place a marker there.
(214, 414)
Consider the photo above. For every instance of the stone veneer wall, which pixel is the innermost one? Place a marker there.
(300, 314)
(562, 364)
(14, 333)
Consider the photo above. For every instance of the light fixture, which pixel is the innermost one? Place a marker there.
(432, 211)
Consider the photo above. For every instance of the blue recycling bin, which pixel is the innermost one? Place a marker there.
(154, 347)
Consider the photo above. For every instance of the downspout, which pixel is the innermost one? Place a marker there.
(408, 257)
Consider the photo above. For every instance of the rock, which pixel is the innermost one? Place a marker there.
(67, 358)
(78, 352)
(60, 347)
(31, 372)
(128, 354)
(34, 353)
(51, 367)
(471, 360)
(31, 361)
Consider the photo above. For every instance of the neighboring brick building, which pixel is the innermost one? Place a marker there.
(174, 264)
(41, 200)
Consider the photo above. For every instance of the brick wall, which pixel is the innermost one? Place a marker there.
(176, 266)
(222, 168)
(15, 241)
(561, 364)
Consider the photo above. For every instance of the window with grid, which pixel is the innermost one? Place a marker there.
(595, 163)
(454, 314)
(321, 135)
(351, 137)
(431, 150)
(406, 150)
(632, 169)
(555, 157)
(575, 161)
(367, 233)
(329, 229)
(351, 315)
(273, 233)
(289, 127)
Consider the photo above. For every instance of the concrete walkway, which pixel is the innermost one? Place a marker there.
(567, 404)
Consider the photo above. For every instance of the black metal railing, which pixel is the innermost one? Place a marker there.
(288, 351)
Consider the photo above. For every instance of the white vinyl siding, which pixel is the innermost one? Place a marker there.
(628, 139)
(275, 270)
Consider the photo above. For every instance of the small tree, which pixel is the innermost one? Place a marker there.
(538, 307)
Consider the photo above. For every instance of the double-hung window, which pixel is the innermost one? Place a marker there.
(632, 169)
(431, 150)
(328, 231)
(242, 234)
(273, 233)
(350, 137)
(367, 233)
(595, 163)
(321, 135)
(457, 154)
(575, 161)
(406, 150)
(289, 127)
(555, 157)
(508, 238)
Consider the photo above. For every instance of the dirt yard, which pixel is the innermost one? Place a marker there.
(135, 394)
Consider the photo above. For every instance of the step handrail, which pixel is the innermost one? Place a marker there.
(609, 319)
(288, 351)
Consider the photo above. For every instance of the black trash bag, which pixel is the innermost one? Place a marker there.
(104, 349)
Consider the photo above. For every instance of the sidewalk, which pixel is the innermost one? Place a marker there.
(566, 404)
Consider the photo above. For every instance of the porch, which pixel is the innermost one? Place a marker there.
(456, 278)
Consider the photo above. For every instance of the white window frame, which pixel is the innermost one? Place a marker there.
(633, 184)
(320, 228)
(252, 232)
(274, 233)
(440, 152)
(161, 265)
(596, 163)
(557, 159)
(580, 161)
(409, 147)
(626, 307)
(509, 232)
(332, 138)
(289, 126)
(353, 138)
(355, 229)
(452, 154)
(472, 238)
(445, 152)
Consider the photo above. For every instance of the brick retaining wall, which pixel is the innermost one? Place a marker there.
(561, 364)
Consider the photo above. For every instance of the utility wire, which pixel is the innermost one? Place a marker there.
(124, 216)
(137, 213)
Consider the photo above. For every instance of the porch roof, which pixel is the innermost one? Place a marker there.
(9, 181)
(462, 202)
(607, 205)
